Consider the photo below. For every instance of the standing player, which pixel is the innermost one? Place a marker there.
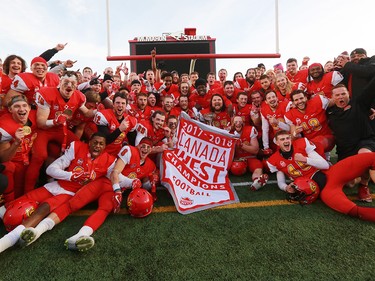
(155, 130)
(295, 75)
(29, 83)
(243, 109)
(308, 118)
(140, 109)
(320, 83)
(55, 107)
(115, 124)
(216, 115)
(17, 134)
(272, 114)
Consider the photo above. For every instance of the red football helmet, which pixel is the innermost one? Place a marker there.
(239, 167)
(17, 211)
(307, 191)
(140, 203)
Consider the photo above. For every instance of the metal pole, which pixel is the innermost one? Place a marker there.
(277, 25)
(108, 30)
(193, 56)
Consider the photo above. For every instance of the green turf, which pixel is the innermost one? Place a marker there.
(287, 242)
(281, 242)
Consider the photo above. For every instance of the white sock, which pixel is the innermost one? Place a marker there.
(11, 238)
(328, 156)
(2, 211)
(84, 231)
(44, 226)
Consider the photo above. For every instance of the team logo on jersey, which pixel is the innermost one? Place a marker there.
(132, 175)
(313, 186)
(56, 107)
(120, 138)
(80, 161)
(113, 127)
(283, 164)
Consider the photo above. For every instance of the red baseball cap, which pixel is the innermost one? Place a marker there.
(39, 59)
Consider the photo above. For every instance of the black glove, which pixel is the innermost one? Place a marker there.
(94, 81)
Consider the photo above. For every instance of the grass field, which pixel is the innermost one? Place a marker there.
(262, 238)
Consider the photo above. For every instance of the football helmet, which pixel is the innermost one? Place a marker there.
(17, 211)
(140, 203)
(239, 167)
(306, 191)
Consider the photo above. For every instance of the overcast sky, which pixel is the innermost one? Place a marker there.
(320, 29)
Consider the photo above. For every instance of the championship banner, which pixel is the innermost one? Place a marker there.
(196, 171)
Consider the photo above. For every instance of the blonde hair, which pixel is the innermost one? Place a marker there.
(289, 84)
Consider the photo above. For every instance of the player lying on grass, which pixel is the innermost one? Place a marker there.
(296, 159)
(80, 165)
(132, 166)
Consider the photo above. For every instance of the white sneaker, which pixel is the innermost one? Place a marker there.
(82, 244)
(259, 182)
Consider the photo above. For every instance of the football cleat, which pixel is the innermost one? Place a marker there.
(82, 244)
(259, 182)
(28, 236)
(364, 194)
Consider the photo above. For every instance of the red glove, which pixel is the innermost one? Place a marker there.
(267, 151)
(136, 184)
(153, 178)
(80, 176)
(60, 120)
(116, 200)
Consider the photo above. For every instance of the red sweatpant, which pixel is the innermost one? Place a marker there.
(340, 174)
(100, 190)
(40, 153)
(15, 171)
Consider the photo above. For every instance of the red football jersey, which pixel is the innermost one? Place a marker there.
(51, 98)
(80, 160)
(8, 128)
(244, 112)
(5, 83)
(325, 85)
(133, 168)
(292, 168)
(176, 111)
(242, 84)
(220, 120)
(145, 129)
(28, 84)
(106, 117)
(314, 120)
(267, 112)
(141, 115)
(300, 76)
(248, 133)
(203, 101)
